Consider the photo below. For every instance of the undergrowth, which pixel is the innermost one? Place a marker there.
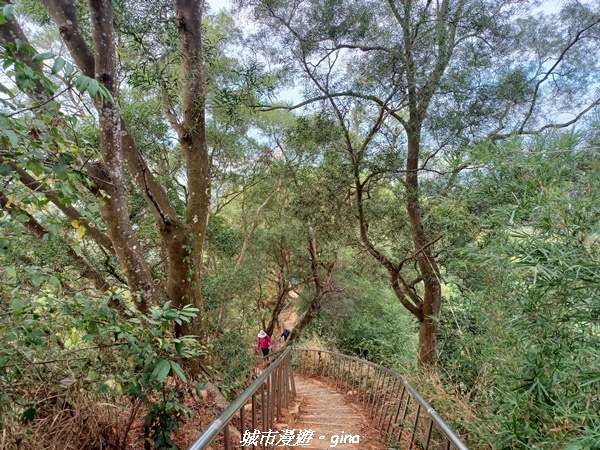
(74, 373)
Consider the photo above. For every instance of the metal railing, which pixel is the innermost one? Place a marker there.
(256, 408)
(397, 410)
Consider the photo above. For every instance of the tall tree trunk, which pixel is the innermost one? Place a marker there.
(432, 297)
(177, 237)
(428, 326)
(192, 137)
(114, 206)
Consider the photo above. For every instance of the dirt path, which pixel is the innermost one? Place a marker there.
(336, 422)
(287, 319)
(288, 316)
(321, 418)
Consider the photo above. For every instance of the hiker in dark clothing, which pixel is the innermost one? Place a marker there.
(285, 335)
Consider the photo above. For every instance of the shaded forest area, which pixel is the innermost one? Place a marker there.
(419, 181)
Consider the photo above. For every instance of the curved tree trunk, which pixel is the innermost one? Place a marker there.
(283, 290)
(322, 285)
(313, 311)
(428, 326)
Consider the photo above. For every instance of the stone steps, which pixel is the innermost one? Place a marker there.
(336, 423)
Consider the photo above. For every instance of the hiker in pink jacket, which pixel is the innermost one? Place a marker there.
(264, 342)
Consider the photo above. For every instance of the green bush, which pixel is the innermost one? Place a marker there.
(54, 346)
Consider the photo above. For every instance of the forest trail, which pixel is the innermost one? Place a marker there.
(332, 418)
(289, 317)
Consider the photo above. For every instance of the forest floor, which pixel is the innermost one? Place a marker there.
(205, 410)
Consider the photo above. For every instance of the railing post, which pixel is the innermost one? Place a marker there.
(335, 371)
(292, 378)
(366, 384)
(284, 368)
(412, 435)
(403, 417)
(273, 399)
(279, 372)
(393, 421)
(346, 374)
(358, 380)
(320, 363)
(254, 425)
(381, 395)
(428, 435)
(384, 405)
(373, 393)
(270, 409)
(263, 405)
(342, 373)
(227, 437)
(338, 382)
(349, 375)
(273, 412)
(243, 421)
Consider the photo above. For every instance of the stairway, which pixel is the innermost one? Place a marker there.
(337, 423)
(296, 404)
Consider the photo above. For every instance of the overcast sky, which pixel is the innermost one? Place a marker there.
(217, 5)
(548, 6)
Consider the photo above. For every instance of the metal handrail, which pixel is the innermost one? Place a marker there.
(271, 354)
(383, 394)
(276, 386)
(380, 390)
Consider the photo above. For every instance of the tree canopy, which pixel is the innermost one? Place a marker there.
(428, 201)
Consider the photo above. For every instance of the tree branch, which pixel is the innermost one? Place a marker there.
(114, 209)
(414, 255)
(64, 14)
(401, 295)
(393, 112)
(550, 71)
(36, 186)
(553, 126)
(34, 228)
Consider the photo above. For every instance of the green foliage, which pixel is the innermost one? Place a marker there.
(519, 250)
(8, 13)
(135, 356)
(235, 359)
(523, 339)
(369, 322)
(224, 239)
